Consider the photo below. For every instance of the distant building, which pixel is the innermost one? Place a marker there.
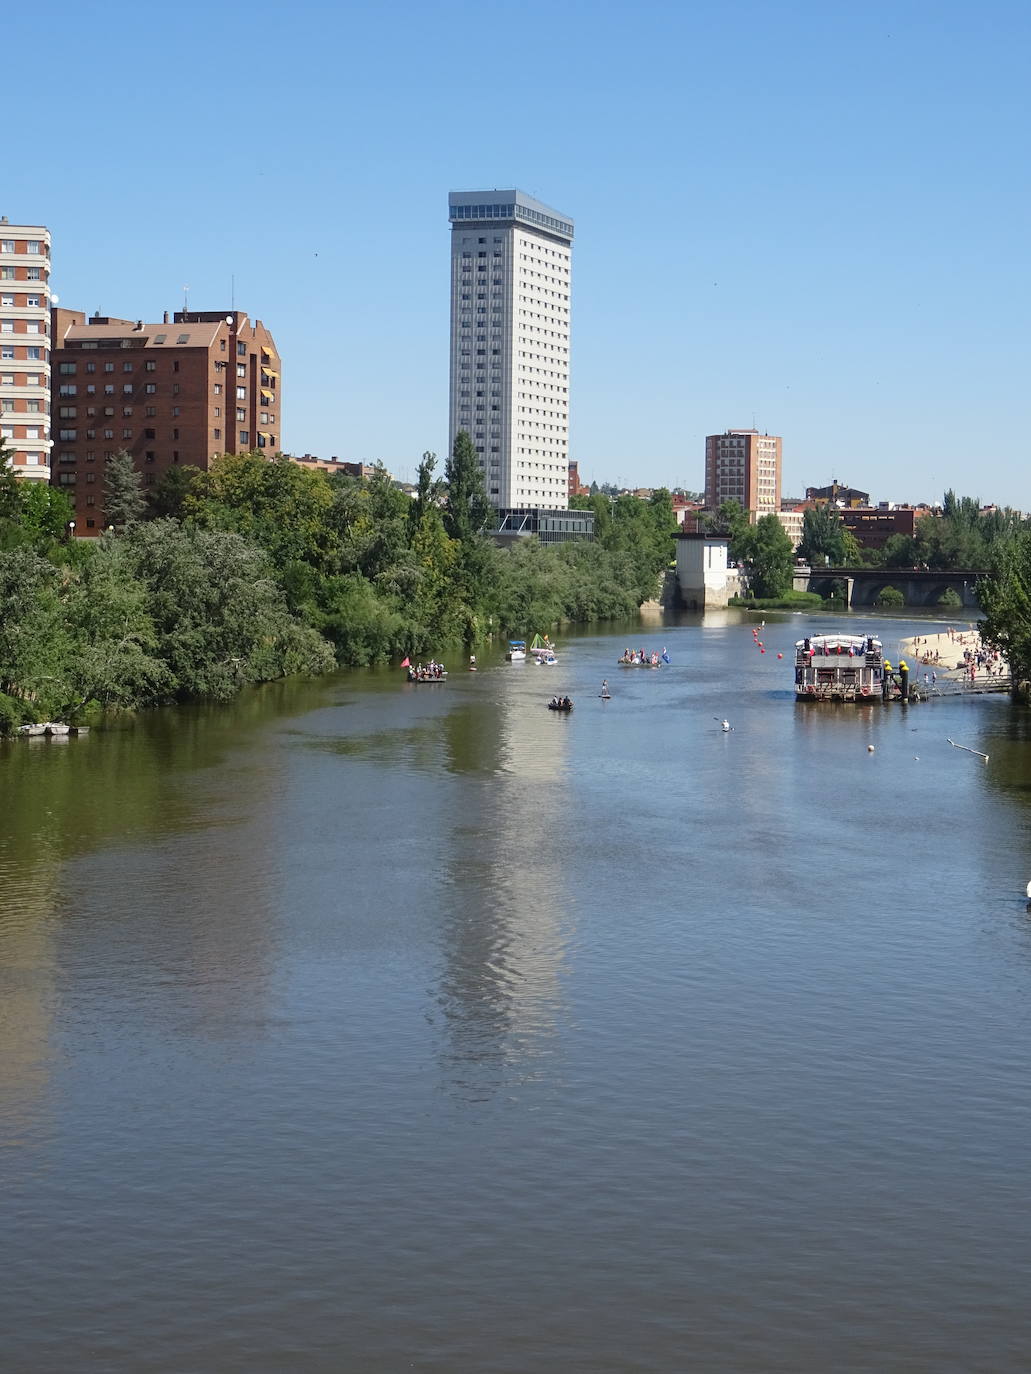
(172, 393)
(873, 526)
(331, 465)
(743, 465)
(838, 495)
(25, 347)
(576, 487)
(792, 522)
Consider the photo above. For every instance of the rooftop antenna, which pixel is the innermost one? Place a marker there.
(186, 304)
(232, 292)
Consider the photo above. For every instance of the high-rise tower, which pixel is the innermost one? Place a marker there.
(510, 286)
(25, 347)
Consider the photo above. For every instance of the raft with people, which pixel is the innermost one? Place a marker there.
(560, 704)
(429, 672)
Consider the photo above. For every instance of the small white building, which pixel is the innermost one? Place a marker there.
(704, 578)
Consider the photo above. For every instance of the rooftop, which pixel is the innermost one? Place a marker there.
(510, 205)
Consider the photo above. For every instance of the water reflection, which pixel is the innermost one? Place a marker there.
(505, 919)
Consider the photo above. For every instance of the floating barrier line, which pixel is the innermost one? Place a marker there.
(967, 750)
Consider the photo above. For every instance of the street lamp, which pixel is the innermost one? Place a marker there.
(71, 529)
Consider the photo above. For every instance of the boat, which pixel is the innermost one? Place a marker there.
(433, 674)
(641, 660)
(841, 667)
(546, 660)
(31, 731)
(560, 704)
(516, 651)
(541, 644)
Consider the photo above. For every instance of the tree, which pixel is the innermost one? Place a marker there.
(823, 537)
(10, 494)
(171, 495)
(45, 513)
(770, 558)
(1005, 596)
(467, 508)
(124, 502)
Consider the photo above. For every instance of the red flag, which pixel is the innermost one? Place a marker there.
(406, 662)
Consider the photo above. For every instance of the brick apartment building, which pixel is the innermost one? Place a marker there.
(25, 347)
(744, 466)
(179, 392)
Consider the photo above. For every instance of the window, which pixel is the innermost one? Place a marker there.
(69, 435)
(6, 350)
(126, 410)
(32, 274)
(241, 393)
(151, 410)
(32, 246)
(109, 434)
(150, 365)
(218, 434)
(175, 434)
(34, 355)
(7, 301)
(241, 350)
(109, 367)
(150, 389)
(245, 437)
(175, 410)
(218, 388)
(7, 246)
(91, 367)
(241, 371)
(175, 365)
(175, 388)
(67, 389)
(149, 434)
(6, 326)
(67, 412)
(126, 433)
(66, 369)
(127, 389)
(150, 455)
(183, 339)
(109, 391)
(218, 411)
(127, 367)
(241, 415)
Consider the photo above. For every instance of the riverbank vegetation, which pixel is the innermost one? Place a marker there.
(257, 569)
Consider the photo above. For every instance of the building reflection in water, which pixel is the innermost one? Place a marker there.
(505, 920)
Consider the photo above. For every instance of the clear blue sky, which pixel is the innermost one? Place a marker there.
(812, 215)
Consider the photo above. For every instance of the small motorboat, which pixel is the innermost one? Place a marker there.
(516, 651)
(560, 704)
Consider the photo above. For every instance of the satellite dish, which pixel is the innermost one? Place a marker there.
(229, 319)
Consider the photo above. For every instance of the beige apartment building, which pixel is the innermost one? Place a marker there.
(745, 466)
(25, 347)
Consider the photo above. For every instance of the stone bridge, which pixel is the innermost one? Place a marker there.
(864, 585)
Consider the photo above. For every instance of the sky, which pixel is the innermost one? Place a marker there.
(809, 217)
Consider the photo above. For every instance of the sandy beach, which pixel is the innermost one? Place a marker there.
(944, 655)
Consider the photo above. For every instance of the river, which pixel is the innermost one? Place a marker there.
(360, 1026)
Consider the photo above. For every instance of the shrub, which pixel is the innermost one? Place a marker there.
(890, 596)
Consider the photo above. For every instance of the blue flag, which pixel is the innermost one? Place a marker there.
(665, 656)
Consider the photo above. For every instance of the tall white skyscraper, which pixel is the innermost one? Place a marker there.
(510, 285)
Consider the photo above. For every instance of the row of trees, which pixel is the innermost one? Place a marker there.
(255, 569)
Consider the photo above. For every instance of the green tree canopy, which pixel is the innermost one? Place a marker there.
(124, 502)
